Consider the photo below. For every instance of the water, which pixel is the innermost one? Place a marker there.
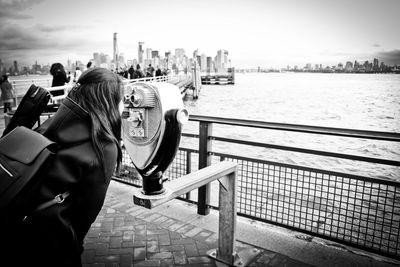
(353, 101)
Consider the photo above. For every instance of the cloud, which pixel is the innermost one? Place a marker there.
(389, 57)
(11, 10)
(14, 37)
(376, 45)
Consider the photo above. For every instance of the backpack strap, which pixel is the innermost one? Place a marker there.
(56, 200)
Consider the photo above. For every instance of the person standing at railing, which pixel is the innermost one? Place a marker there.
(131, 72)
(7, 93)
(59, 78)
(158, 72)
(138, 72)
(77, 74)
(150, 71)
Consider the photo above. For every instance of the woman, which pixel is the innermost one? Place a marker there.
(7, 93)
(87, 129)
(60, 78)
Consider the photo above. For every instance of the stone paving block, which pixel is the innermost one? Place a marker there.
(140, 235)
(127, 244)
(201, 259)
(164, 240)
(151, 237)
(184, 229)
(146, 263)
(113, 233)
(160, 255)
(176, 226)
(160, 220)
(139, 243)
(120, 251)
(107, 259)
(201, 245)
(175, 235)
(140, 227)
(152, 217)
(106, 227)
(203, 235)
(128, 235)
(179, 257)
(182, 241)
(88, 255)
(172, 248)
(101, 249)
(168, 222)
(126, 261)
(157, 231)
(212, 240)
(166, 263)
(191, 250)
(152, 246)
(138, 212)
(139, 253)
(193, 232)
(115, 242)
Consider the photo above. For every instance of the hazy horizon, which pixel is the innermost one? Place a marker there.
(255, 33)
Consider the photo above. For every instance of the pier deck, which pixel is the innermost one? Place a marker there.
(173, 234)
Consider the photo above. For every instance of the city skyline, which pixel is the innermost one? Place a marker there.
(256, 32)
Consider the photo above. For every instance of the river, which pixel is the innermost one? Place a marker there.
(353, 101)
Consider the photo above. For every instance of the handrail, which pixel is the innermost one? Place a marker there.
(308, 151)
(354, 133)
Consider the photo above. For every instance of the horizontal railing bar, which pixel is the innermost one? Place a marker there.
(308, 151)
(377, 135)
(310, 169)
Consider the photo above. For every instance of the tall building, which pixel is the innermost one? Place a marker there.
(203, 64)
(154, 54)
(16, 70)
(140, 52)
(221, 61)
(148, 53)
(115, 51)
(179, 52)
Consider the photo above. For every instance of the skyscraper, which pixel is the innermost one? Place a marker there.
(115, 51)
(140, 52)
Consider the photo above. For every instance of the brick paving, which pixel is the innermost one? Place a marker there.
(128, 235)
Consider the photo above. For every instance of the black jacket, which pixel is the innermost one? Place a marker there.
(54, 237)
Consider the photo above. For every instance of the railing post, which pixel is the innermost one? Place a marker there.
(188, 168)
(203, 199)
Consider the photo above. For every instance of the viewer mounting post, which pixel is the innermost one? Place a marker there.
(226, 173)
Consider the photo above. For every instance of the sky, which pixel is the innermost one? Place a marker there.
(256, 33)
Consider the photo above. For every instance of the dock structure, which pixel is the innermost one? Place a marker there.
(219, 78)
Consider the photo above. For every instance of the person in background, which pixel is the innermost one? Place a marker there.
(77, 74)
(7, 93)
(158, 72)
(138, 72)
(150, 71)
(59, 78)
(131, 72)
(87, 130)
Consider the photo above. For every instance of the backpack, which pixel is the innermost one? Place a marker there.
(32, 104)
(24, 158)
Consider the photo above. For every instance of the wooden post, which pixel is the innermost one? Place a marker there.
(227, 218)
(203, 199)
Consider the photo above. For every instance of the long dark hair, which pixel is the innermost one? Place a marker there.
(99, 92)
(57, 68)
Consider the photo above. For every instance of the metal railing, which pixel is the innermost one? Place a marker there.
(345, 207)
(21, 86)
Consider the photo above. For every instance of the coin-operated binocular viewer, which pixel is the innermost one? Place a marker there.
(152, 125)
